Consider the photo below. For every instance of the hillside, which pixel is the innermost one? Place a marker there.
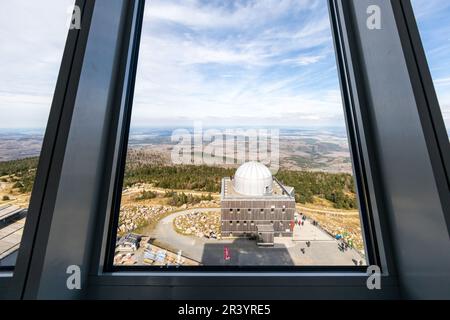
(19, 172)
(336, 188)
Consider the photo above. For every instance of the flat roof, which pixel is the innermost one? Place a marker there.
(9, 211)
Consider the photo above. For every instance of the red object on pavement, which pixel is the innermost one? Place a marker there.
(226, 254)
(292, 225)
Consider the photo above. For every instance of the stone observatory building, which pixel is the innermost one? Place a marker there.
(256, 204)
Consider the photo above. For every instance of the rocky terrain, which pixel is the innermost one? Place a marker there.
(11, 195)
(199, 224)
(133, 217)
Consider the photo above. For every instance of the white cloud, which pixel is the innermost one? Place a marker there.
(426, 9)
(443, 81)
(211, 60)
(304, 60)
(217, 14)
(433, 17)
(32, 37)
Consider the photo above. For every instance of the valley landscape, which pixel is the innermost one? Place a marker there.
(315, 162)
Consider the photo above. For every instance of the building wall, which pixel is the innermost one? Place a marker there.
(240, 217)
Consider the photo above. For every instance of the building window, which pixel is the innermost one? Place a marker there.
(33, 35)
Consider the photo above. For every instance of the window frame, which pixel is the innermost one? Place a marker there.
(48, 143)
(43, 278)
(14, 278)
(429, 105)
(359, 174)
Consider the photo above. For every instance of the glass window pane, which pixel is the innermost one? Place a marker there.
(238, 152)
(32, 37)
(433, 19)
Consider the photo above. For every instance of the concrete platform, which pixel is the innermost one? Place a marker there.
(309, 232)
(10, 237)
(323, 250)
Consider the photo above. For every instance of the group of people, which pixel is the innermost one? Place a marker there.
(344, 246)
(358, 263)
(301, 221)
(308, 244)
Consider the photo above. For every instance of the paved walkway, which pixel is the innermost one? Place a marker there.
(309, 232)
(323, 249)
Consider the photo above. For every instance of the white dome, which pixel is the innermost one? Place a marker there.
(253, 179)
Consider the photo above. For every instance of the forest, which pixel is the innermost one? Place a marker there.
(199, 178)
(339, 189)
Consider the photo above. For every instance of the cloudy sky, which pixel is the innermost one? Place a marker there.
(433, 17)
(237, 62)
(223, 62)
(32, 39)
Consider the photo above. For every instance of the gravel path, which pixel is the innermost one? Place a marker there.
(192, 246)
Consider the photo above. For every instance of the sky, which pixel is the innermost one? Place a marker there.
(32, 39)
(237, 62)
(433, 19)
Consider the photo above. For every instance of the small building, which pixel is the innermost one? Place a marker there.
(255, 204)
(128, 243)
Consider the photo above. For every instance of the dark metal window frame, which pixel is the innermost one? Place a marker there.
(428, 106)
(157, 284)
(48, 144)
(13, 278)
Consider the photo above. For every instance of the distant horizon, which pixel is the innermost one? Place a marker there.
(41, 130)
(191, 126)
(273, 60)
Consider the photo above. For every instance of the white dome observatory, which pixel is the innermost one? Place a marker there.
(253, 179)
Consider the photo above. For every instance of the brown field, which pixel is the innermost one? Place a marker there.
(15, 197)
(344, 222)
